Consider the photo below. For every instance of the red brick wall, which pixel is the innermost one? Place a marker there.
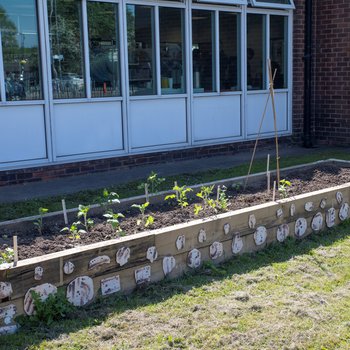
(332, 69)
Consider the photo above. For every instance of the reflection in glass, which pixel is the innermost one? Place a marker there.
(21, 54)
(203, 50)
(141, 49)
(104, 49)
(278, 50)
(171, 27)
(229, 52)
(256, 57)
(67, 63)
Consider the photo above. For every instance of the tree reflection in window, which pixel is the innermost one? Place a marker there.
(20, 49)
(67, 63)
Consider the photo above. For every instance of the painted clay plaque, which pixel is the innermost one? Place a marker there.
(194, 258)
(123, 256)
(216, 250)
(38, 273)
(8, 329)
(180, 242)
(279, 213)
(260, 235)
(237, 244)
(68, 267)
(169, 264)
(110, 285)
(44, 290)
(282, 232)
(309, 206)
(330, 217)
(344, 211)
(252, 221)
(202, 236)
(300, 227)
(339, 197)
(292, 210)
(227, 229)
(317, 222)
(152, 254)
(5, 290)
(7, 314)
(143, 275)
(323, 203)
(99, 261)
(80, 291)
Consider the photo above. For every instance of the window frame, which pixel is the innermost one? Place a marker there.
(224, 2)
(267, 4)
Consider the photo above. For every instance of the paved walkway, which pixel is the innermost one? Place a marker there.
(73, 184)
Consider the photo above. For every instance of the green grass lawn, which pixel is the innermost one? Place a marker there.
(294, 295)
(17, 210)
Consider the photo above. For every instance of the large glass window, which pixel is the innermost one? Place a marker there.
(141, 49)
(256, 56)
(104, 49)
(284, 4)
(67, 61)
(20, 45)
(172, 60)
(229, 51)
(203, 50)
(278, 50)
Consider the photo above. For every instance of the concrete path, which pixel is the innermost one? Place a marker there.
(73, 184)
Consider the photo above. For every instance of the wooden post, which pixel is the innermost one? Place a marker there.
(218, 193)
(146, 193)
(177, 193)
(64, 211)
(268, 174)
(15, 251)
(274, 191)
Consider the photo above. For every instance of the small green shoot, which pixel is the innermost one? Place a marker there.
(204, 194)
(113, 220)
(108, 198)
(83, 213)
(197, 209)
(180, 195)
(74, 231)
(146, 220)
(39, 222)
(153, 182)
(6, 256)
(222, 201)
(283, 186)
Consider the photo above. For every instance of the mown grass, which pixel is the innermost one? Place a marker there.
(294, 295)
(16, 210)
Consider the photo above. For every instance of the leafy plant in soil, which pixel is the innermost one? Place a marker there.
(113, 220)
(204, 194)
(146, 220)
(74, 231)
(39, 222)
(107, 199)
(222, 201)
(283, 186)
(153, 182)
(83, 213)
(180, 195)
(6, 256)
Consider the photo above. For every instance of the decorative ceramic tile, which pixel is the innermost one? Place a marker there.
(317, 222)
(180, 242)
(169, 264)
(143, 275)
(309, 206)
(282, 232)
(300, 227)
(194, 258)
(323, 203)
(5, 290)
(99, 261)
(330, 217)
(260, 235)
(7, 313)
(80, 291)
(68, 267)
(216, 250)
(252, 221)
(237, 244)
(38, 273)
(279, 213)
(292, 210)
(152, 254)
(123, 256)
(344, 211)
(339, 197)
(227, 229)
(44, 290)
(202, 236)
(110, 285)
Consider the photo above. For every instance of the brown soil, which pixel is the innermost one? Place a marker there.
(167, 213)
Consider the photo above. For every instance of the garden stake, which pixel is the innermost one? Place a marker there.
(268, 174)
(15, 251)
(146, 193)
(218, 193)
(274, 191)
(64, 212)
(177, 193)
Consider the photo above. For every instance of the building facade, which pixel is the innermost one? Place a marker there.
(90, 85)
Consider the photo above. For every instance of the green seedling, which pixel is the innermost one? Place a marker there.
(146, 220)
(204, 194)
(283, 186)
(153, 182)
(83, 213)
(74, 231)
(108, 198)
(113, 220)
(7, 256)
(180, 195)
(39, 222)
(222, 201)
(197, 209)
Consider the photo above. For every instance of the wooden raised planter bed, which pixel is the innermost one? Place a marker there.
(121, 265)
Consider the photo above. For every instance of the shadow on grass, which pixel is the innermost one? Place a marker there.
(97, 313)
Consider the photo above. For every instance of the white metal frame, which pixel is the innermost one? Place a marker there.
(48, 102)
(268, 4)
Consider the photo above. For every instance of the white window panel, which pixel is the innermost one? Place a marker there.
(280, 4)
(225, 2)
